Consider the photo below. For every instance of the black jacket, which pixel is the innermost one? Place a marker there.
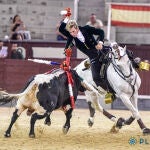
(88, 47)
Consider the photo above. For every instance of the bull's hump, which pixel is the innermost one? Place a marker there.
(41, 78)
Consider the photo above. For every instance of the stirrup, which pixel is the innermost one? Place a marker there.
(144, 65)
(109, 98)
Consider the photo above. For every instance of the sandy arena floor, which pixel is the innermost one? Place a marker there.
(79, 137)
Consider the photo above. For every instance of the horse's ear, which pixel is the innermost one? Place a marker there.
(125, 48)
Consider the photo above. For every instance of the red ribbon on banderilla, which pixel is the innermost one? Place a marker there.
(66, 67)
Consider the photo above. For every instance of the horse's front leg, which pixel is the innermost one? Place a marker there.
(145, 130)
(121, 122)
(15, 116)
(129, 120)
(67, 123)
(133, 108)
(35, 117)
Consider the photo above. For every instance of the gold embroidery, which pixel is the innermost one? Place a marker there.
(86, 46)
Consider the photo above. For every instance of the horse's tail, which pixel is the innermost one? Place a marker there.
(7, 97)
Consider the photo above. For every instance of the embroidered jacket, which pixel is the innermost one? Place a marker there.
(87, 47)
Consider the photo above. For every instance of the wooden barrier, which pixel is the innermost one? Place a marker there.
(15, 73)
(142, 51)
(29, 44)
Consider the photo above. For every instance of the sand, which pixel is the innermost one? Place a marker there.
(79, 137)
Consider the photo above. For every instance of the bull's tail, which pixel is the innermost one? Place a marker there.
(6, 97)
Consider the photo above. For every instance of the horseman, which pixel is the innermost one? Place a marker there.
(86, 43)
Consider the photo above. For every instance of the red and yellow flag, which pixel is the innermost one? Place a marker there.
(130, 15)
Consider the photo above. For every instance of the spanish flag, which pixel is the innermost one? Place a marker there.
(130, 15)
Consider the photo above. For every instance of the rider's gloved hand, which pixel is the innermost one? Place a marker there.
(99, 46)
(68, 14)
(68, 52)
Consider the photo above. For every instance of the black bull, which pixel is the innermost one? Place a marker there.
(50, 95)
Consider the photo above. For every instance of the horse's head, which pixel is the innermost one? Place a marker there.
(118, 51)
(120, 58)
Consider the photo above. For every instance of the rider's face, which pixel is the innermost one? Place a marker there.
(73, 31)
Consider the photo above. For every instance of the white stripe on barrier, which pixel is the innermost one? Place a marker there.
(139, 97)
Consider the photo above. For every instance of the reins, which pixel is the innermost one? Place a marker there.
(122, 75)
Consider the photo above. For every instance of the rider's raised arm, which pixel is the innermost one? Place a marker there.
(62, 27)
(63, 30)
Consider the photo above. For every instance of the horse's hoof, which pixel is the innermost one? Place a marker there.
(146, 131)
(7, 135)
(120, 123)
(114, 129)
(65, 129)
(47, 123)
(90, 122)
(32, 135)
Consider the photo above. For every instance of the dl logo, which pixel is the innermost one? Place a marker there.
(143, 141)
(133, 141)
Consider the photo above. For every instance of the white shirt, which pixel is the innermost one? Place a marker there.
(3, 52)
(80, 36)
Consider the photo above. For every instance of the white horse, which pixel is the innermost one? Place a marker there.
(124, 80)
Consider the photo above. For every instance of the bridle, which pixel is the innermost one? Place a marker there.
(115, 48)
(119, 71)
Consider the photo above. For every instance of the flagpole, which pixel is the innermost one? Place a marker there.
(76, 9)
(109, 22)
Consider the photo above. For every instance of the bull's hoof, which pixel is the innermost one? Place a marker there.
(120, 123)
(32, 135)
(90, 122)
(65, 129)
(47, 123)
(7, 135)
(146, 131)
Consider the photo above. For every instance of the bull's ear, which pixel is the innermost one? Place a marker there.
(40, 87)
(45, 85)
